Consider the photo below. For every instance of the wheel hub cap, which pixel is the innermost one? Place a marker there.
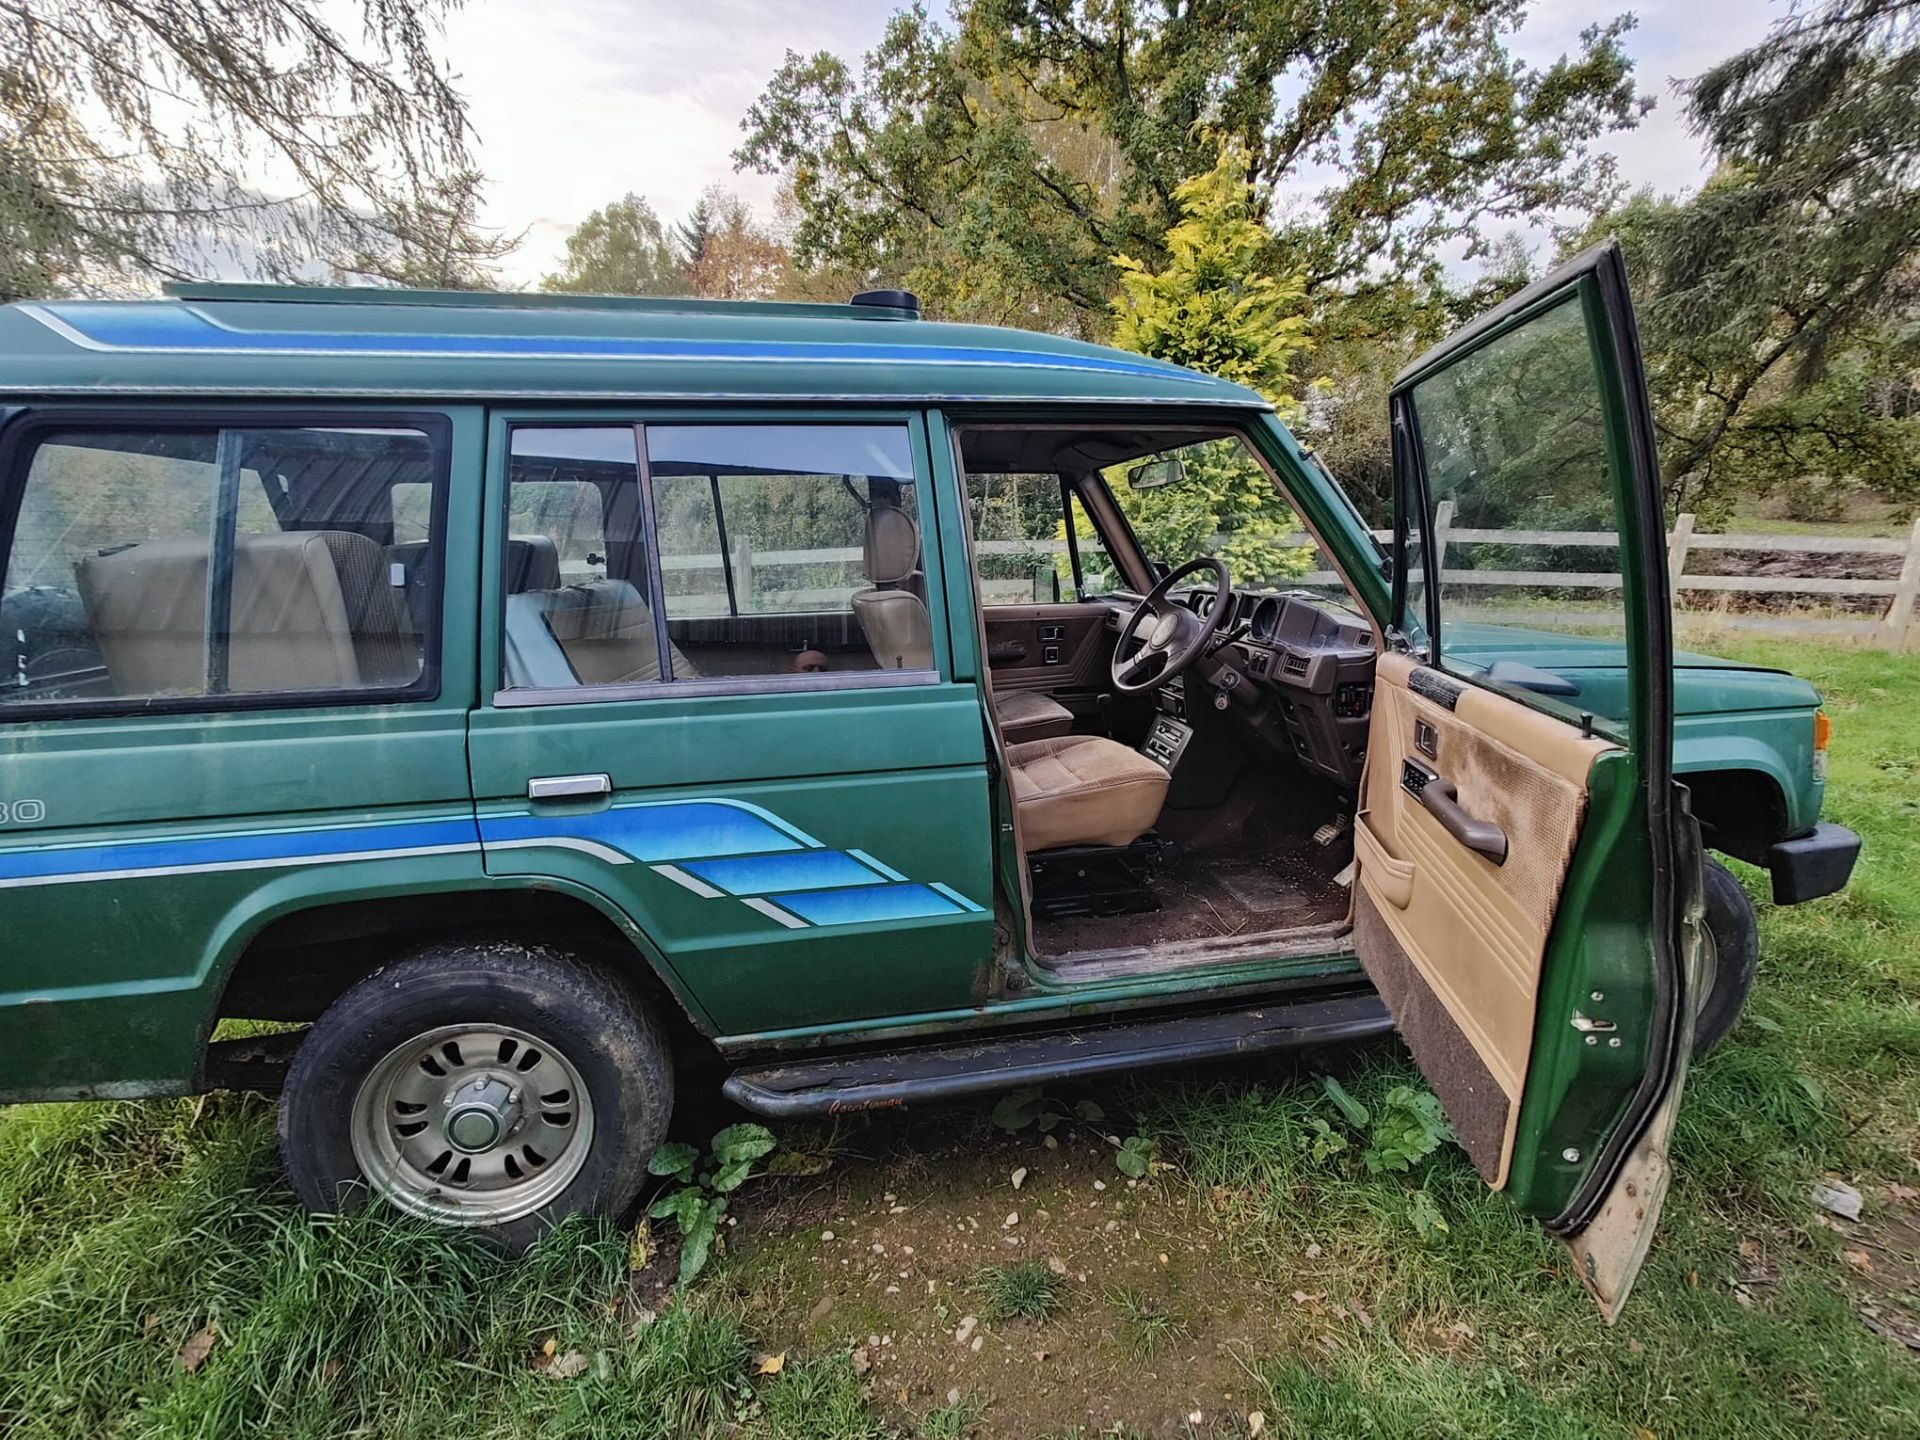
(478, 1116)
(472, 1125)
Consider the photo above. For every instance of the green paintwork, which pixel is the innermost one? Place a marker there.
(111, 986)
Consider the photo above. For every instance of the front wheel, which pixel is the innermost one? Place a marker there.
(1734, 932)
(495, 1086)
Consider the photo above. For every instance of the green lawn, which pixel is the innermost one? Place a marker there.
(126, 1231)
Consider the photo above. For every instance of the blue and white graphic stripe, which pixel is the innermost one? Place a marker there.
(731, 850)
(718, 849)
(260, 850)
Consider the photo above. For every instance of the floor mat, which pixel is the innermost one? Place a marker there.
(1206, 895)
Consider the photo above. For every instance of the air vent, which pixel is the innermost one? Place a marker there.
(888, 300)
(1296, 664)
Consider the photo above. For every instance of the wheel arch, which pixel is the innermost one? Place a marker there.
(1742, 808)
(288, 961)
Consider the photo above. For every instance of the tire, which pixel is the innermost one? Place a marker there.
(1735, 933)
(501, 1086)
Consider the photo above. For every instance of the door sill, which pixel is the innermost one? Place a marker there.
(970, 1067)
(1124, 962)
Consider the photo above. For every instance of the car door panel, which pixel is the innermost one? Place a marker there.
(1528, 885)
(1454, 940)
(794, 848)
(1026, 654)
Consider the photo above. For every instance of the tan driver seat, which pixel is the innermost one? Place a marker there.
(1083, 790)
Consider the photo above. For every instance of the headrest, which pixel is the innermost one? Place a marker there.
(893, 545)
(533, 563)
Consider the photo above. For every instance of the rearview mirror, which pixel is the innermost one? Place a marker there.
(1157, 473)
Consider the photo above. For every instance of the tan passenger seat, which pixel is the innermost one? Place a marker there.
(312, 610)
(606, 630)
(892, 611)
(1083, 790)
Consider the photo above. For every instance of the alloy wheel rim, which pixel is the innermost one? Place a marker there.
(472, 1124)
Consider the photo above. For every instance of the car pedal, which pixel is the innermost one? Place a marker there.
(1330, 833)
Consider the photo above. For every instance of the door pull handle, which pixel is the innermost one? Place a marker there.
(569, 787)
(1483, 837)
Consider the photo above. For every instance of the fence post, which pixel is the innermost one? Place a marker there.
(1898, 624)
(742, 567)
(1442, 523)
(1677, 553)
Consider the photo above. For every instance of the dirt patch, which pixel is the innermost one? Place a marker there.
(1155, 1323)
(1880, 1255)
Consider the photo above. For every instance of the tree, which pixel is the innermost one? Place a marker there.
(726, 255)
(1777, 304)
(141, 140)
(435, 241)
(1211, 307)
(998, 167)
(621, 250)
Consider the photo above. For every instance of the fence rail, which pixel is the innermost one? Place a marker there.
(1894, 628)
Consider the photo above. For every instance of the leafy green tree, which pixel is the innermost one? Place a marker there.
(1777, 304)
(435, 241)
(727, 256)
(132, 135)
(1212, 307)
(621, 250)
(998, 166)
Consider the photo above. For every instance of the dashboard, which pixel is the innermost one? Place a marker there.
(1307, 673)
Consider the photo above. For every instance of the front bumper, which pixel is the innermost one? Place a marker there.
(1811, 865)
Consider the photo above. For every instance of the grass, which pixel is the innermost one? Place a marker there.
(127, 1229)
(1024, 1290)
(1147, 1322)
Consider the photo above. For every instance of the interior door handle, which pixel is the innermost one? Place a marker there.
(568, 787)
(1483, 837)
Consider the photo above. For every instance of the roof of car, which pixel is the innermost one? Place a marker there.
(258, 340)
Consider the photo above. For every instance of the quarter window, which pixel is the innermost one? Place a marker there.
(192, 564)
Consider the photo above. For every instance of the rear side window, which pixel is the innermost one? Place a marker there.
(186, 568)
(675, 553)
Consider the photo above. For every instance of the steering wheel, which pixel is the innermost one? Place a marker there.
(1177, 636)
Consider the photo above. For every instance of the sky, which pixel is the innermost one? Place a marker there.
(577, 102)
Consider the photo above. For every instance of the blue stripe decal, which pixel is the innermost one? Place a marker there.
(868, 904)
(133, 857)
(677, 830)
(795, 870)
(177, 329)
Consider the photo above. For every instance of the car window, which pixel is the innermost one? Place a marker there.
(790, 548)
(183, 564)
(1524, 534)
(773, 550)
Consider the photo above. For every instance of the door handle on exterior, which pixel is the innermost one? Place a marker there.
(569, 787)
(1483, 837)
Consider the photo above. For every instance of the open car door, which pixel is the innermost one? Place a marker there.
(1528, 883)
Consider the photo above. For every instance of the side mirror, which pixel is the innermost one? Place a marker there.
(1156, 474)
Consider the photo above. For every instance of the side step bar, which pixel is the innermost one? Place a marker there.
(900, 1077)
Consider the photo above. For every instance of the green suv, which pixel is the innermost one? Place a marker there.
(528, 694)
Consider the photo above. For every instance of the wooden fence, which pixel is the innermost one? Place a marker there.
(1895, 627)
